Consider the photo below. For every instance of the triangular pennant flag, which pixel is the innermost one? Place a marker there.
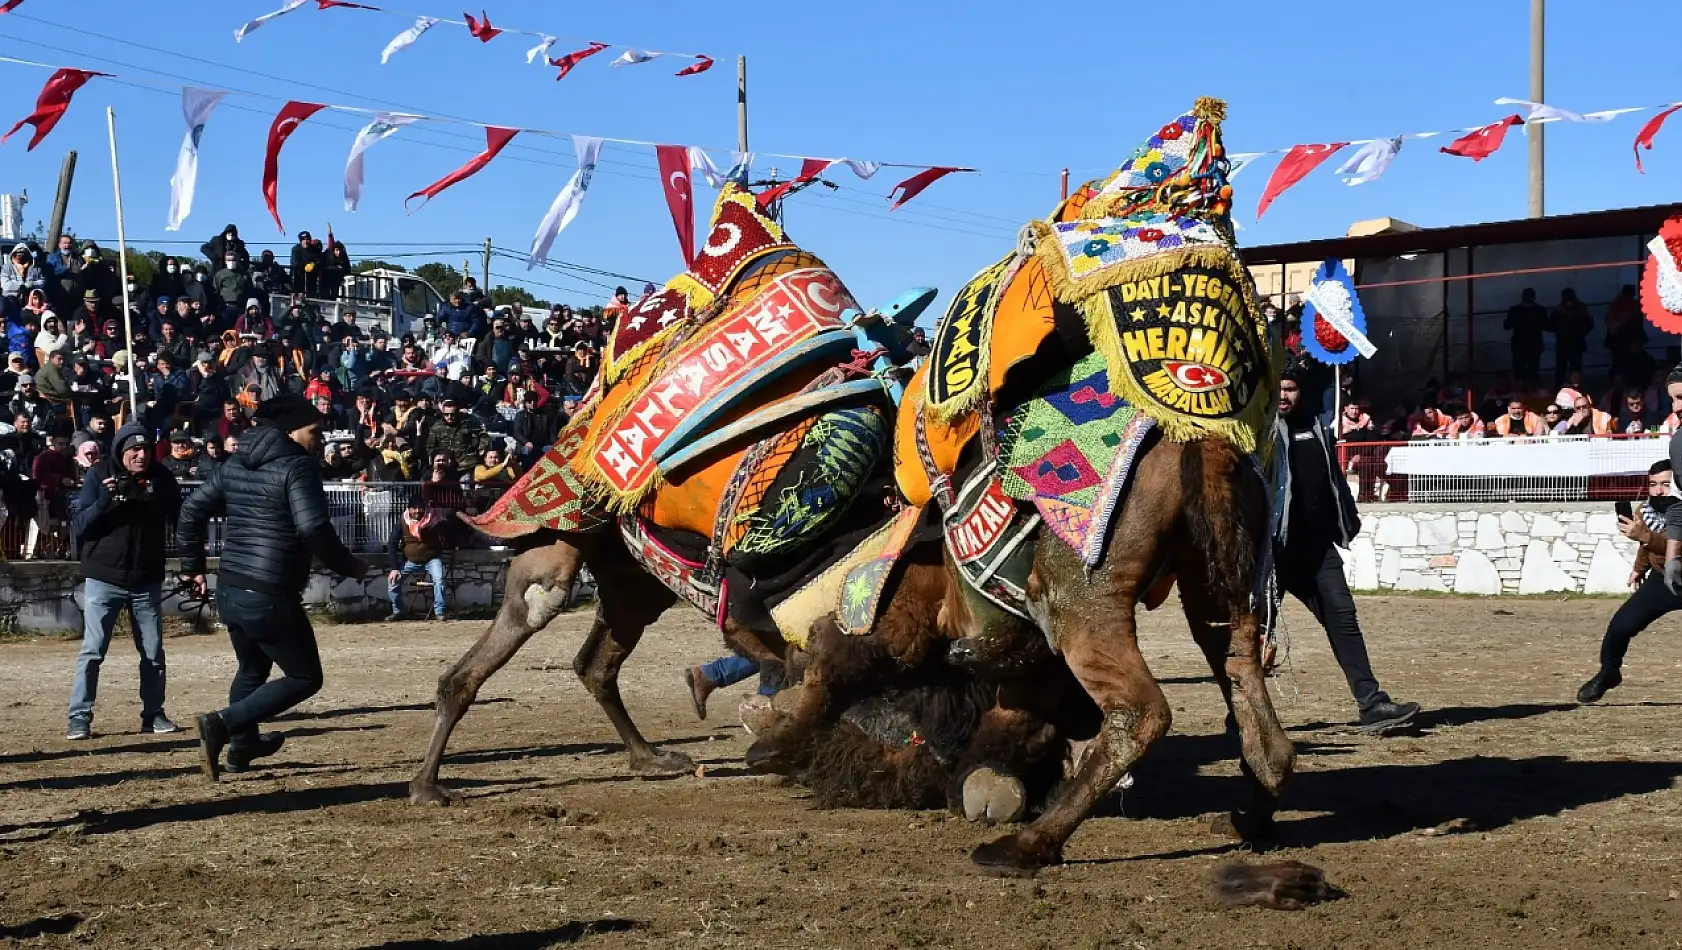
(406, 39)
(496, 139)
(700, 161)
(385, 125)
(810, 168)
(701, 65)
(566, 204)
(1370, 161)
(632, 57)
(1294, 167)
(196, 106)
(1644, 140)
(1539, 110)
(913, 186)
(1482, 143)
(330, 4)
(741, 166)
(285, 123)
(573, 58)
(865, 170)
(239, 34)
(481, 28)
(541, 49)
(10, 5)
(52, 103)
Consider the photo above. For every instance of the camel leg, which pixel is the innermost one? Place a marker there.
(629, 600)
(539, 582)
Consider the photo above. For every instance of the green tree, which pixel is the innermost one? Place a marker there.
(443, 278)
(142, 266)
(502, 294)
(364, 266)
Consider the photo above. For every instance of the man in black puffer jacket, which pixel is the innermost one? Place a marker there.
(277, 519)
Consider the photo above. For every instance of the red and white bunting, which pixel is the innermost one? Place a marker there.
(913, 186)
(680, 195)
(1294, 167)
(481, 28)
(1482, 143)
(52, 103)
(406, 39)
(10, 5)
(496, 139)
(565, 63)
(1644, 138)
(291, 116)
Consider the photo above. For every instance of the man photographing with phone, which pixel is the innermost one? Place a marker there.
(277, 520)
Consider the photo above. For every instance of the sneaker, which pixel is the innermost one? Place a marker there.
(78, 730)
(699, 689)
(1385, 715)
(159, 724)
(1597, 686)
(240, 759)
(213, 737)
(440, 617)
(394, 616)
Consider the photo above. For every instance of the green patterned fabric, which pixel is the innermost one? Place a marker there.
(819, 481)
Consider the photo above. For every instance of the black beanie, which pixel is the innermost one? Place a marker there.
(288, 411)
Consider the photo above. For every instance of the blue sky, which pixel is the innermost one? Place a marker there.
(1015, 94)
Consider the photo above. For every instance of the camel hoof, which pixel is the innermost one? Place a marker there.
(1018, 855)
(1286, 885)
(1244, 826)
(429, 794)
(766, 758)
(993, 798)
(662, 762)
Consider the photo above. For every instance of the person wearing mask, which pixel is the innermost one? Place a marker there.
(139, 301)
(450, 357)
(269, 277)
(231, 285)
(20, 275)
(98, 274)
(417, 545)
(227, 245)
(121, 520)
(1653, 597)
(167, 282)
(201, 297)
(272, 496)
(1313, 514)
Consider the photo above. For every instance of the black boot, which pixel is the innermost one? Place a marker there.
(213, 736)
(1387, 714)
(241, 757)
(1598, 684)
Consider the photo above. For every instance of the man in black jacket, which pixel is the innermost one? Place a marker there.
(1313, 512)
(271, 492)
(121, 520)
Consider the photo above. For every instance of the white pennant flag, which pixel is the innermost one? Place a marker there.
(741, 165)
(1539, 110)
(566, 203)
(632, 57)
(1238, 161)
(291, 5)
(702, 163)
(406, 39)
(541, 49)
(862, 169)
(195, 108)
(1372, 160)
(383, 127)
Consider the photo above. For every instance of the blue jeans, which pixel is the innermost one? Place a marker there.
(101, 605)
(730, 669)
(435, 570)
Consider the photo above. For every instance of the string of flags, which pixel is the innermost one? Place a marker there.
(479, 28)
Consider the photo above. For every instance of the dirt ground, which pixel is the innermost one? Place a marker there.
(1509, 818)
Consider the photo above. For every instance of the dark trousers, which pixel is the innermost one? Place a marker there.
(1565, 361)
(1650, 601)
(1527, 365)
(266, 631)
(1312, 572)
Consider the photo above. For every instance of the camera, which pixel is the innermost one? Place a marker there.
(132, 488)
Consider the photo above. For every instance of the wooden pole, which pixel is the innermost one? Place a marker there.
(1534, 131)
(741, 104)
(1065, 184)
(122, 264)
(61, 204)
(485, 281)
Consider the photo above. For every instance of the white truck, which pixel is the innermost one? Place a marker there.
(394, 300)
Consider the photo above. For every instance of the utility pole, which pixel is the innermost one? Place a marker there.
(485, 281)
(61, 204)
(1535, 131)
(1065, 184)
(742, 104)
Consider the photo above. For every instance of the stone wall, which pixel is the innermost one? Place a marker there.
(46, 597)
(1490, 549)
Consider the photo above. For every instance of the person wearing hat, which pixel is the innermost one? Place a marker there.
(306, 266)
(274, 502)
(229, 248)
(269, 276)
(15, 367)
(620, 304)
(98, 274)
(255, 321)
(52, 337)
(581, 368)
(121, 520)
(163, 311)
(167, 282)
(21, 274)
(456, 434)
(27, 402)
(183, 458)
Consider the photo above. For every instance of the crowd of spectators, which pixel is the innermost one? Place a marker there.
(463, 403)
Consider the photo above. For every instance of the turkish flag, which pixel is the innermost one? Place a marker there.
(1481, 144)
(481, 28)
(1648, 131)
(291, 116)
(1294, 167)
(701, 65)
(52, 103)
(810, 168)
(680, 197)
(10, 5)
(913, 186)
(572, 59)
(495, 141)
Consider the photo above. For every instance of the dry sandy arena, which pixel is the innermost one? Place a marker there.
(1509, 818)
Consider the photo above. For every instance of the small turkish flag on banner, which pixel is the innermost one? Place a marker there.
(701, 65)
(1481, 144)
(51, 105)
(810, 168)
(680, 198)
(574, 58)
(1294, 167)
(495, 141)
(1648, 131)
(913, 186)
(481, 27)
(291, 116)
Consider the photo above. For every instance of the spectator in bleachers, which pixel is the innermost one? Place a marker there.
(418, 542)
(353, 363)
(1517, 421)
(307, 266)
(87, 456)
(1635, 416)
(203, 304)
(1355, 425)
(413, 360)
(26, 403)
(255, 321)
(1526, 321)
(335, 270)
(379, 358)
(581, 368)
(332, 417)
(498, 349)
(97, 430)
(183, 458)
(228, 248)
(442, 477)
(51, 338)
(269, 278)
(450, 357)
(232, 423)
(15, 367)
(54, 473)
(347, 327)
(533, 430)
(456, 436)
(338, 463)
(1584, 419)
(21, 274)
(1431, 423)
(265, 377)
(493, 472)
(54, 385)
(166, 284)
(1466, 425)
(618, 306)
(179, 349)
(459, 317)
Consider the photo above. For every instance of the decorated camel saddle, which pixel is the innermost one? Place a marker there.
(737, 432)
(1126, 316)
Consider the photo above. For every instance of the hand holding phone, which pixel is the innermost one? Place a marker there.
(1624, 509)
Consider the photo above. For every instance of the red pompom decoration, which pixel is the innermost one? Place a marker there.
(1328, 337)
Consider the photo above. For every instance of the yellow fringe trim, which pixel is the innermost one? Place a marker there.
(975, 395)
(621, 363)
(1072, 290)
